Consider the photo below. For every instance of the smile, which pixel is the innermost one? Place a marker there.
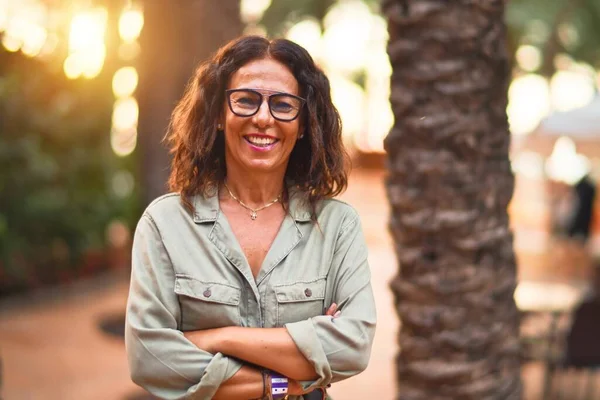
(260, 141)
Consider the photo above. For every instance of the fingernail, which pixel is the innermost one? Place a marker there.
(337, 314)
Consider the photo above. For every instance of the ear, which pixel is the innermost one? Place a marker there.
(300, 130)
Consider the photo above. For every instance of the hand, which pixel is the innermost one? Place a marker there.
(295, 389)
(332, 311)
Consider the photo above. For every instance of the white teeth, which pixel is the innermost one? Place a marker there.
(260, 141)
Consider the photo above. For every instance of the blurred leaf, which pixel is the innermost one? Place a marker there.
(56, 169)
(282, 14)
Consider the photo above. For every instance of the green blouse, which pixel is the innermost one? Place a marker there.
(190, 273)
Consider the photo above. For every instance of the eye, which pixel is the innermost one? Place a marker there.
(246, 99)
(284, 104)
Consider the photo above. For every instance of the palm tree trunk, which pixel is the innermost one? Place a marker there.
(449, 185)
(177, 36)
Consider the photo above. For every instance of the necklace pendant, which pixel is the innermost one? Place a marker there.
(253, 215)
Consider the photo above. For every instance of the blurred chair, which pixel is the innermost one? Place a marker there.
(581, 359)
(568, 344)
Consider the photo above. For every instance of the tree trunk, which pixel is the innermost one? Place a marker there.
(177, 35)
(449, 186)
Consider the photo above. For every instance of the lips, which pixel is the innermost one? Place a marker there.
(260, 141)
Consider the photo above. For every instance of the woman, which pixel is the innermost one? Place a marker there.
(232, 272)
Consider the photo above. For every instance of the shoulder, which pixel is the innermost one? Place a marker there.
(164, 203)
(338, 212)
(168, 208)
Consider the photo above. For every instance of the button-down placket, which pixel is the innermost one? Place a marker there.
(222, 236)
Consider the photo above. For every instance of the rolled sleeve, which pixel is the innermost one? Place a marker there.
(340, 347)
(161, 359)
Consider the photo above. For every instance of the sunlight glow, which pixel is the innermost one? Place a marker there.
(528, 103)
(307, 33)
(346, 37)
(124, 82)
(252, 10)
(34, 40)
(565, 164)
(529, 58)
(123, 141)
(349, 98)
(125, 113)
(570, 90)
(131, 23)
(11, 44)
(86, 43)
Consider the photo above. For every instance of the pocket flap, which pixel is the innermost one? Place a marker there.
(213, 292)
(301, 291)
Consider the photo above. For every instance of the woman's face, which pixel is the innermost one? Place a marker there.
(260, 143)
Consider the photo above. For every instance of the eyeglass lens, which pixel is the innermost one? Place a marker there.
(247, 103)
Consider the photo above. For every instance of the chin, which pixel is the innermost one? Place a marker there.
(263, 166)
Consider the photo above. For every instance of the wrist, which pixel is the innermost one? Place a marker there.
(295, 388)
(279, 386)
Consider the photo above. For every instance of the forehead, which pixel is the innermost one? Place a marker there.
(266, 74)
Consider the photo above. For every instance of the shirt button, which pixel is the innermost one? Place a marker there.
(308, 292)
(207, 293)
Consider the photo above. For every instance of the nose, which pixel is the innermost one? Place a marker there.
(263, 117)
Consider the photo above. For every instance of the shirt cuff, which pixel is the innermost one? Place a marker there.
(220, 369)
(305, 336)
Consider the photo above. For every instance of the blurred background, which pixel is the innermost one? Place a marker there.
(86, 90)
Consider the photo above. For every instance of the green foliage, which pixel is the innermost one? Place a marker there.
(562, 26)
(538, 22)
(282, 14)
(56, 174)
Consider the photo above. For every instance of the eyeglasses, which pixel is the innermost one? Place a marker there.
(282, 106)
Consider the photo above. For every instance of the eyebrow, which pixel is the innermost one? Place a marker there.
(263, 90)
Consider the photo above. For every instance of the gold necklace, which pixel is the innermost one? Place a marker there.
(254, 211)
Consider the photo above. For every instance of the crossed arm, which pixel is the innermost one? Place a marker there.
(270, 348)
(225, 363)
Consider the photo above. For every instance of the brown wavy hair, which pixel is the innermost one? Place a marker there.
(318, 164)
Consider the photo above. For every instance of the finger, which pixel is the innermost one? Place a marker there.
(331, 310)
(337, 314)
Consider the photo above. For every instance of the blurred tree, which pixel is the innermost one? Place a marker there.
(449, 186)
(282, 14)
(564, 26)
(60, 183)
(176, 37)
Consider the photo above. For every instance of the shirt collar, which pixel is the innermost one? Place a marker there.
(206, 208)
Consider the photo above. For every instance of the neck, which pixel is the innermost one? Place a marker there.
(255, 190)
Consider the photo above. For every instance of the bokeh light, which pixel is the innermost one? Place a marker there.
(346, 37)
(307, 33)
(570, 90)
(86, 43)
(125, 81)
(125, 113)
(252, 10)
(123, 141)
(131, 23)
(529, 58)
(528, 103)
(565, 164)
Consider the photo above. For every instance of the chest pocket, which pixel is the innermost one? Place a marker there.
(299, 301)
(206, 305)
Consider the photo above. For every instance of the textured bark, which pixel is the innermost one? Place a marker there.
(177, 36)
(449, 186)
